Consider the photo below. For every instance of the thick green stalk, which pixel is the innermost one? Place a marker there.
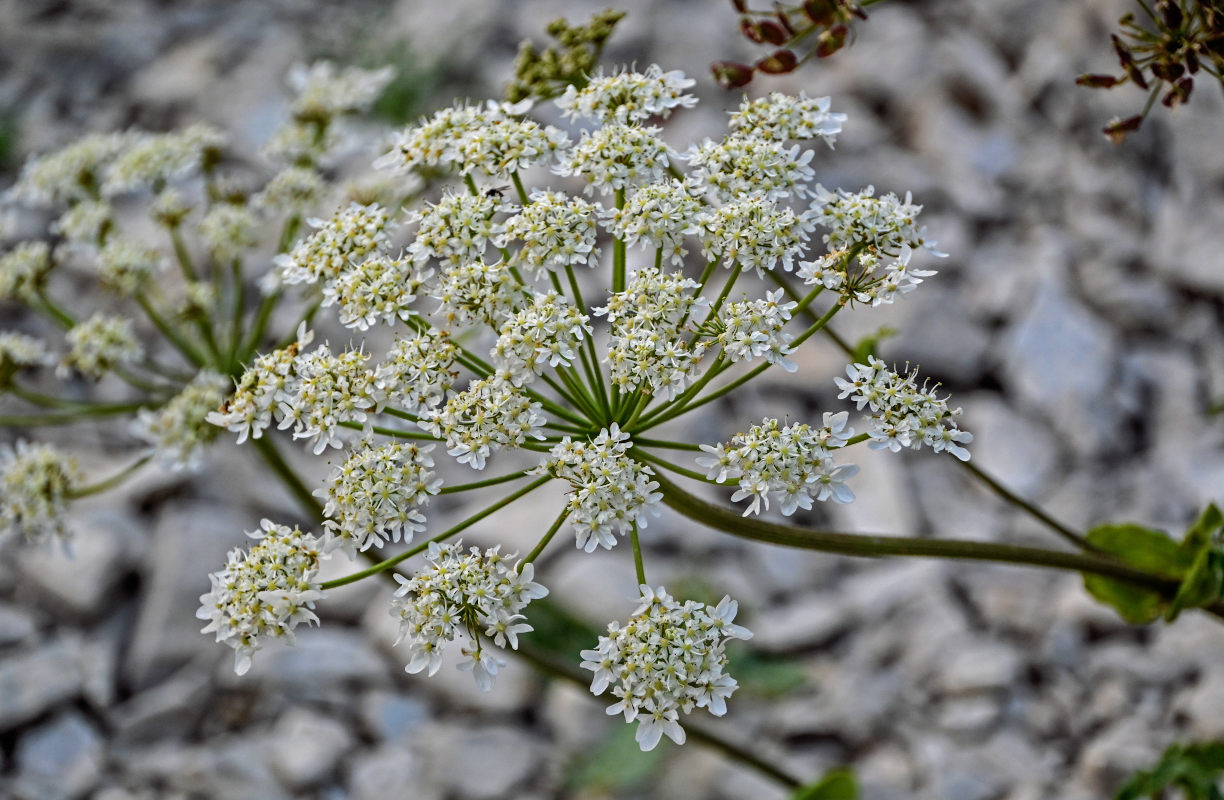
(864, 545)
(619, 276)
(292, 481)
(467, 487)
(638, 565)
(548, 537)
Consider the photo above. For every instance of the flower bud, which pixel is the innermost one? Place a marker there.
(731, 75)
(780, 62)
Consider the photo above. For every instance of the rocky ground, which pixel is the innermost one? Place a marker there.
(1077, 322)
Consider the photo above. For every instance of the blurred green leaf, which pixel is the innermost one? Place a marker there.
(1144, 548)
(764, 675)
(838, 784)
(559, 633)
(1196, 769)
(869, 344)
(618, 764)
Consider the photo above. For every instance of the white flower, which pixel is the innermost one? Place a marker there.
(23, 269)
(35, 480)
(379, 289)
(178, 430)
(99, 344)
(755, 234)
(862, 220)
(645, 345)
(228, 230)
(781, 117)
(375, 495)
(548, 333)
(668, 659)
(417, 372)
(463, 595)
(126, 266)
(458, 228)
(250, 410)
(295, 189)
(556, 231)
(324, 91)
(611, 491)
(902, 414)
(491, 414)
(325, 390)
(789, 464)
(264, 593)
(150, 159)
(349, 235)
(71, 173)
(738, 168)
(617, 156)
(18, 350)
(659, 215)
(477, 293)
(84, 222)
(627, 96)
(753, 329)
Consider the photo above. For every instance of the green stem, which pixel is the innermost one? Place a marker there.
(518, 187)
(726, 290)
(387, 564)
(78, 414)
(668, 445)
(109, 483)
(310, 503)
(618, 251)
(238, 311)
(181, 344)
(548, 537)
(676, 468)
(638, 565)
(48, 307)
(1053, 524)
(467, 487)
(249, 347)
(864, 545)
(186, 265)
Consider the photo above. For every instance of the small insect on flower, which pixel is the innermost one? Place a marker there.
(496, 191)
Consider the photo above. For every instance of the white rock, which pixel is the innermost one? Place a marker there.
(306, 746)
(61, 759)
(38, 680)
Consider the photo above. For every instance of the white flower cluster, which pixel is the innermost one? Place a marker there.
(492, 413)
(178, 431)
(744, 166)
(418, 370)
(18, 350)
(645, 344)
(754, 234)
(324, 391)
(148, 160)
(659, 215)
(884, 224)
(250, 409)
(126, 266)
(491, 139)
(99, 344)
(461, 593)
(228, 230)
(35, 480)
(22, 270)
(627, 96)
(375, 495)
(753, 329)
(85, 223)
(264, 593)
(476, 293)
(557, 231)
(69, 174)
(902, 414)
(546, 333)
(668, 659)
(349, 235)
(611, 491)
(457, 229)
(790, 464)
(295, 189)
(325, 91)
(780, 117)
(378, 289)
(617, 156)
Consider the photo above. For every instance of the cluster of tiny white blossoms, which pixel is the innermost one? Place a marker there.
(376, 494)
(35, 480)
(464, 594)
(178, 431)
(23, 269)
(668, 659)
(790, 464)
(19, 350)
(263, 593)
(99, 344)
(495, 349)
(902, 413)
(611, 492)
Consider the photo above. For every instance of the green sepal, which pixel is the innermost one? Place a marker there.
(838, 784)
(1144, 548)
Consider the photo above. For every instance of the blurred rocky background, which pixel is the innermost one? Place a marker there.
(1078, 322)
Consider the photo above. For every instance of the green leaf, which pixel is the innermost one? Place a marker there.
(769, 676)
(617, 765)
(1143, 548)
(1198, 535)
(1196, 769)
(868, 345)
(838, 784)
(1204, 581)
